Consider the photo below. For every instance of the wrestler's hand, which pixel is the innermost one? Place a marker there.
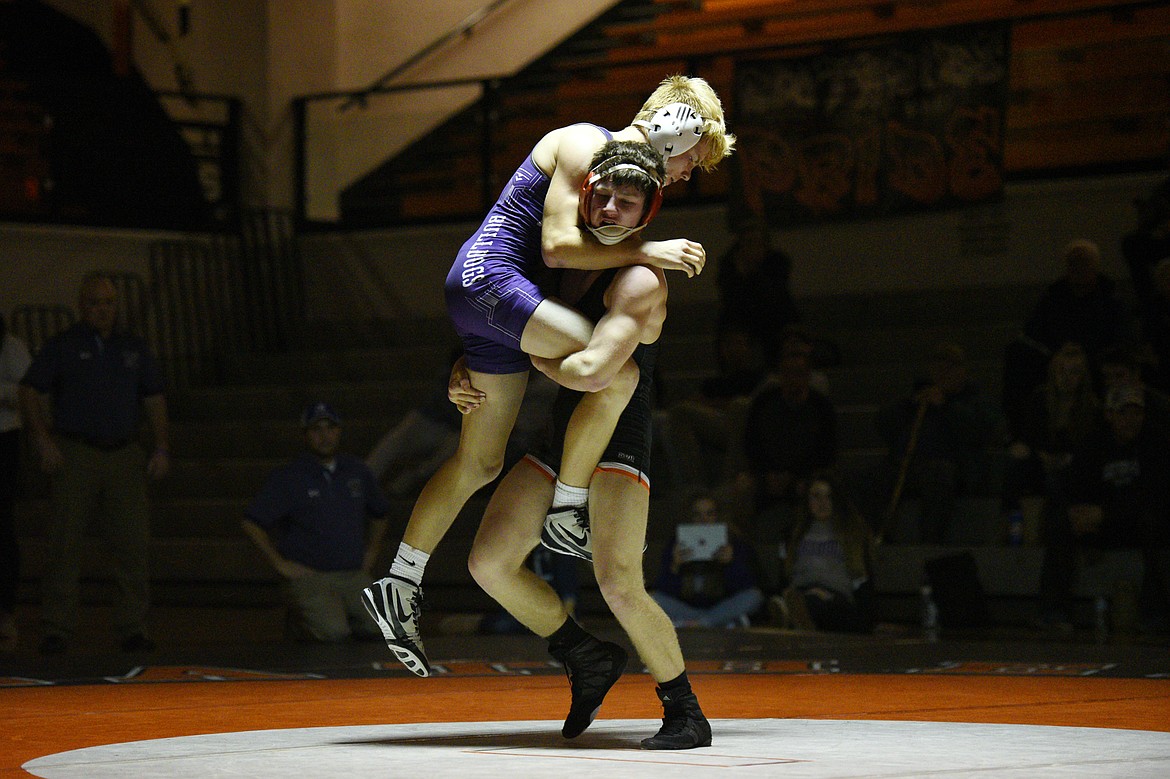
(459, 390)
(676, 254)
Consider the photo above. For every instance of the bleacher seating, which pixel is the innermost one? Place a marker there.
(227, 437)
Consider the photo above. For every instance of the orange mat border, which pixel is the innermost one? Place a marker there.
(38, 721)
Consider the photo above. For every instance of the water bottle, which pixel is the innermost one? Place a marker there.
(1101, 619)
(1015, 528)
(929, 614)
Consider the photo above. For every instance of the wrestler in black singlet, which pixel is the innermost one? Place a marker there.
(629, 448)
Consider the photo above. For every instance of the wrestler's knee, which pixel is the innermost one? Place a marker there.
(484, 570)
(479, 468)
(621, 586)
(491, 563)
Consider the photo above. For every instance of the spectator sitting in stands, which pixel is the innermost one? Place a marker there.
(742, 361)
(1060, 415)
(754, 295)
(698, 434)
(14, 361)
(1121, 367)
(700, 585)
(944, 428)
(828, 560)
(310, 521)
(1149, 242)
(418, 444)
(1155, 313)
(1119, 498)
(702, 438)
(790, 431)
(1081, 306)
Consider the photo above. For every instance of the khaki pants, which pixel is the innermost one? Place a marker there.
(111, 486)
(327, 606)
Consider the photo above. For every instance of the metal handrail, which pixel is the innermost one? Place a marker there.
(463, 29)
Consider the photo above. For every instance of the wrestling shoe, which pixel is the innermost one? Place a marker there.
(566, 531)
(395, 605)
(592, 667)
(683, 724)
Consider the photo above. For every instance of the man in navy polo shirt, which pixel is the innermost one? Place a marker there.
(319, 521)
(93, 382)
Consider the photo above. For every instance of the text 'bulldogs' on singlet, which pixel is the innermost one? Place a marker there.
(510, 234)
(495, 284)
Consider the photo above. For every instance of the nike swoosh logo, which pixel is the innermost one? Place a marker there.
(402, 616)
(580, 540)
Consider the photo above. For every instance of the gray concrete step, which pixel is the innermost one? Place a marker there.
(369, 399)
(227, 438)
(339, 364)
(267, 438)
(869, 348)
(852, 385)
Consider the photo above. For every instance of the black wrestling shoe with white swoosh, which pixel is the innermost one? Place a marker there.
(395, 605)
(566, 531)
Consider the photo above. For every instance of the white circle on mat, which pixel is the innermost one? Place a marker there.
(841, 749)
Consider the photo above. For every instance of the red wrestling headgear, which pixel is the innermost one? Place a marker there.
(620, 168)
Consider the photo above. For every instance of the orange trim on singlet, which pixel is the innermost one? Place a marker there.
(616, 469)
(548, 473)
(629, 473)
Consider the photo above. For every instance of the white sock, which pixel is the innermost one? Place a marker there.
(409, 563)
(564, 495)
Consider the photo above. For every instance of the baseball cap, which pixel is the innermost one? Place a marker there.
(1125, 395)
(318, 411)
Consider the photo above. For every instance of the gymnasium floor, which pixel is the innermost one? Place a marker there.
(782, 704)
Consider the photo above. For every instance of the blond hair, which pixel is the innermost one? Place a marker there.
(699, 95)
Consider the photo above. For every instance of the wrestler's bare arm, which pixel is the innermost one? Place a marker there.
(565, 243)
(636, 308)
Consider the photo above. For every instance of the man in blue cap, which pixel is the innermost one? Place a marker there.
(319, 520)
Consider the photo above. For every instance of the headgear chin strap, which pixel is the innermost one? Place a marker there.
(608, 235)
(673, 129)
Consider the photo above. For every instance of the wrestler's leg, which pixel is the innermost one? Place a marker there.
(508, 532)
(553, 331)
(619, 506)
(477, 460)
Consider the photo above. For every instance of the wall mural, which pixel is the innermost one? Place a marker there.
(874, 129)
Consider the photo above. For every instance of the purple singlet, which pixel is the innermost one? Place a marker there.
(490, 289)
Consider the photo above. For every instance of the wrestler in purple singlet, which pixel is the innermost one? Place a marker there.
(490, 289)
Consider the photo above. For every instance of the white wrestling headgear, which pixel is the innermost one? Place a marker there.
(673, 129)
(608, 235)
